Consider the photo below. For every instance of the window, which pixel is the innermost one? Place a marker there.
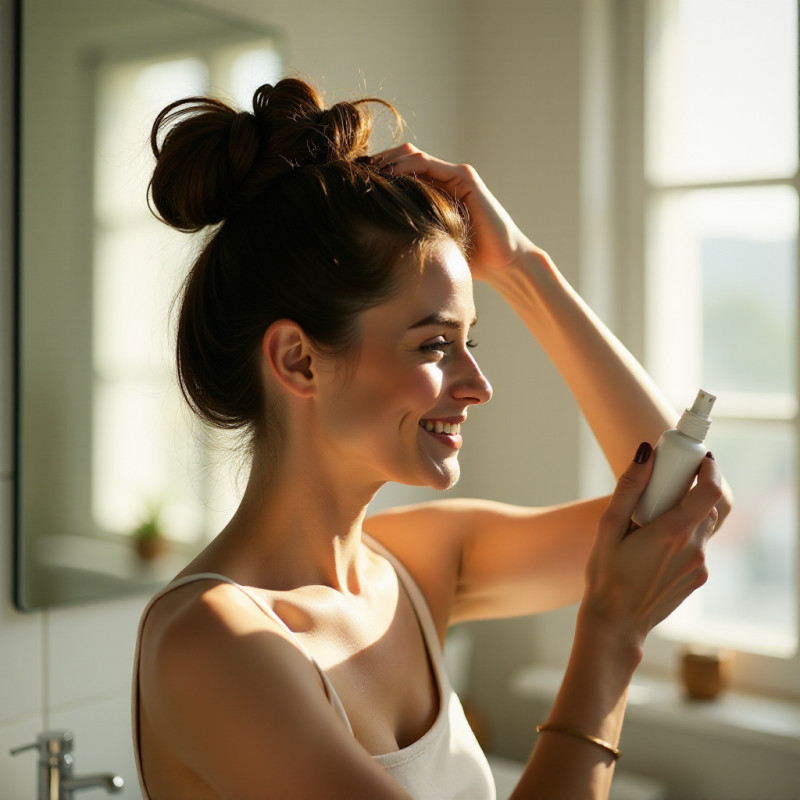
(717, 196)
(149, 459)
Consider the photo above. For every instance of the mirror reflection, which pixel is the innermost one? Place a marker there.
(115, 482)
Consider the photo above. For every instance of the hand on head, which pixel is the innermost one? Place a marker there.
(496, 240)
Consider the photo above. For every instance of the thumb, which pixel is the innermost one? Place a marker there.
(617, 516)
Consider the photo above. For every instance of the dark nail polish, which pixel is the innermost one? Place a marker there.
(643, 453)
(710, 455)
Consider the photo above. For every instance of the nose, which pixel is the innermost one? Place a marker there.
(470, 385)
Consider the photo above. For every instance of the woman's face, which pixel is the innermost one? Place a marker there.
(395, 412)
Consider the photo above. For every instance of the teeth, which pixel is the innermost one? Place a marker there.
(438, 426)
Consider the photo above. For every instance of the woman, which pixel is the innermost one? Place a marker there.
(328, 318)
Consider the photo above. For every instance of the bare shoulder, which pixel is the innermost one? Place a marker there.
(206, 638)
(209, 658)
(230, 698)
(195, 614)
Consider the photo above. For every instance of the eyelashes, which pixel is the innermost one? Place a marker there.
(441, 347)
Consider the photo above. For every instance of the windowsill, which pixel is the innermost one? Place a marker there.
(748, 718)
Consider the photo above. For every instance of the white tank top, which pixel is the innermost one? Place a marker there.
(446, 763)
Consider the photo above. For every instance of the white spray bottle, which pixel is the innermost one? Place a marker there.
(677, 457)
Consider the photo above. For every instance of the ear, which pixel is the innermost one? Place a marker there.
(288, 355)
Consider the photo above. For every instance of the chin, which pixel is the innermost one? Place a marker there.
(448, 485)
(438, 475)
(447, 478)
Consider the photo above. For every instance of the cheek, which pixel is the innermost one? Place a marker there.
(416, 389)
(430, 382)
(400, 397)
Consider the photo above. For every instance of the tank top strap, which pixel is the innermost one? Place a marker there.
(420, 606)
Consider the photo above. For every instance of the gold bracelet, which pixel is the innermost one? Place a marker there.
(607, 746)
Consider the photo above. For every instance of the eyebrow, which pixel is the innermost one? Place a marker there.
(438, 318)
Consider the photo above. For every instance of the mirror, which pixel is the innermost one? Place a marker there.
(113, 481)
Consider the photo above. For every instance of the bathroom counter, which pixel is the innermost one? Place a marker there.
(734, 716)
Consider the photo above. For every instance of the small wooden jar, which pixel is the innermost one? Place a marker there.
(705, 674)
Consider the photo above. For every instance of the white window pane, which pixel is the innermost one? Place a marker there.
(249, 70)
(721, 98)
(721, 309)
(245, 67)
(129, 469)
(750, 601)
(137, 271)
(128, 98)
(147, 454)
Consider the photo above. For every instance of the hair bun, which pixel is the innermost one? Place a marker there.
(343, 131)
(211, 160)
(244, 142)
(205, 153)
(303, 132)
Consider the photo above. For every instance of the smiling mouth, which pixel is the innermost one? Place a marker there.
(437, 426)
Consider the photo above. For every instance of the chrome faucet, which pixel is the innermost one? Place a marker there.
(56, 781)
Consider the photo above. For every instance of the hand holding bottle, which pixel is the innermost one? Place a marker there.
(677, 458)
(636, 577)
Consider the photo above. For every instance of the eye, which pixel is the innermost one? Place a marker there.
(471, 343)
(439, 346)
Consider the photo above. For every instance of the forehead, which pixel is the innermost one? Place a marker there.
(434, 283)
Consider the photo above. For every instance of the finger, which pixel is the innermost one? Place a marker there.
(391, 154)
(408, 160)
(698, 504)
(631, 484)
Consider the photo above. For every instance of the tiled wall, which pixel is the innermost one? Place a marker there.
(67, 669)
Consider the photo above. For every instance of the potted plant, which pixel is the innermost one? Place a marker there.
(148, 536)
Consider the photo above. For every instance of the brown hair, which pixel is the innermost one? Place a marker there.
(307, 229)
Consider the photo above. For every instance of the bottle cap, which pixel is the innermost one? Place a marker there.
(696, 421)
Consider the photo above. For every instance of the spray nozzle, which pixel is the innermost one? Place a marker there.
(703, 404)
(696, 420)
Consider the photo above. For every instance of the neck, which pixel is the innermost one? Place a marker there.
(297, 526)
